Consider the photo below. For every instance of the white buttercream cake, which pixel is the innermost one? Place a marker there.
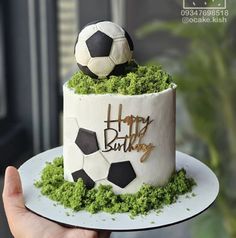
(107, 136)
(111, 138)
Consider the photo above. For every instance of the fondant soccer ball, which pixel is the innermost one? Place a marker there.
(102, 49)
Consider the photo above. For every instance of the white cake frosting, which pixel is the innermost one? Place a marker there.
(150, 141)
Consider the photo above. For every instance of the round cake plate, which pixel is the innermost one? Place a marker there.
(186, 207)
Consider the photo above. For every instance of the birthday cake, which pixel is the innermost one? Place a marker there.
(119, 118)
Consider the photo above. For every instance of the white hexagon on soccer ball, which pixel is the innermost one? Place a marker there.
(82, 54)
(118, 56)
(101, 66)
(111, 29)
(96, 166)
(87, 32)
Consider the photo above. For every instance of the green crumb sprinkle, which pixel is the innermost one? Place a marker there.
(113, 219)
(77, 197)
(136, 80)
(193, 194)
(152, 222)
(188, 209)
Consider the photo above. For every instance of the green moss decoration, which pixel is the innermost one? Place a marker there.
(136, 80)
(76, 196)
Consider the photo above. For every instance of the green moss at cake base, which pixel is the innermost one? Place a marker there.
(76, 196)
(136, 80)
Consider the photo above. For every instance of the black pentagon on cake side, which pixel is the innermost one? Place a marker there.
(99, 44)
(86, 140)
(121, 173)
(84, 176)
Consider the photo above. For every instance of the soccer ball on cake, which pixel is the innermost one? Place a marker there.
(103, 48)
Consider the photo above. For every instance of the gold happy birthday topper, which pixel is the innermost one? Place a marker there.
(132, 141)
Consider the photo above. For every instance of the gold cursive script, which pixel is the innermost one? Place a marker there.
(137, 127)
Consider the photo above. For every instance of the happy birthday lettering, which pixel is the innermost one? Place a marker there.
(137, 127)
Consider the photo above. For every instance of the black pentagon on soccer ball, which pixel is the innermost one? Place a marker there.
(121, 173)
(76, 43)
(86, 140)
(86, 71)
(119, 69)
(99, 44)
(130, 42)
(89, 183)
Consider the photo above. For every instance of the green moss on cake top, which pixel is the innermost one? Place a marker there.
(76, 196)
(136, 80)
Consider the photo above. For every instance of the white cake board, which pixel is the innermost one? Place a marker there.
(186, 207)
